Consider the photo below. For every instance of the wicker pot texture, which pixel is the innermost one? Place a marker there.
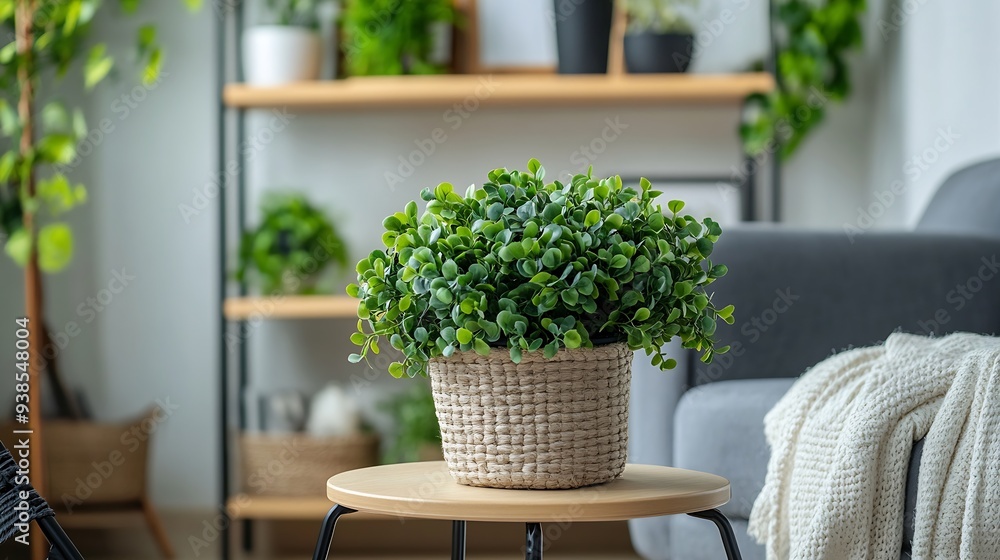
(299, 465)
(540, 424)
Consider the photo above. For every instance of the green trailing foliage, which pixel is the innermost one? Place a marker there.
(392, 37)
(535, 267)
(813, 40)
(291, 246)
(62, 38)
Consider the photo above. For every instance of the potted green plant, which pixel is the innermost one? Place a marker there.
(291, 246)
(583, 32)
(389, 37)
(523, 301)
(659, 37)
(286, 50)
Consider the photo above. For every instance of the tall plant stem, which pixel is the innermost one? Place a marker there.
(23, 22)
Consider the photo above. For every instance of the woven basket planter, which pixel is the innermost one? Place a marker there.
(299, 465)
(540, 424)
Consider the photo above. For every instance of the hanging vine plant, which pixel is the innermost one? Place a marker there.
(812, 40)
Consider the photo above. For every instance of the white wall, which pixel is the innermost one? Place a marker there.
(157, 338)
(938, 99)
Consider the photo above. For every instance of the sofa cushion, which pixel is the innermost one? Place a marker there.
(719, 428)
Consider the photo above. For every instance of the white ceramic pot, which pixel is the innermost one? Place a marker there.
(279, 54)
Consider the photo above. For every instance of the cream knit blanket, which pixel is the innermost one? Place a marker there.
(840, 445)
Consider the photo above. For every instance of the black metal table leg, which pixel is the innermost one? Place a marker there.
(533, 541)
(458, 540)
(326, 531)
(725, 529)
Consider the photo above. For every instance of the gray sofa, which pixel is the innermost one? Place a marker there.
(801, 296)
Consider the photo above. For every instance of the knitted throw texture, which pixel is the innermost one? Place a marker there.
(840, 446)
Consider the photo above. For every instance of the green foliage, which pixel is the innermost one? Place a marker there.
(813, 41)
(299, 13)
(416, 425)
(533, 267)
(62, 36)
(293, 244)
(660, 16)
(391, 37)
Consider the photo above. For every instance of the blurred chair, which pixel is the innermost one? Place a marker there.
(34, 509)
(801, 296)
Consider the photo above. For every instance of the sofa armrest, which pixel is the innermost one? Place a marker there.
(802, 295)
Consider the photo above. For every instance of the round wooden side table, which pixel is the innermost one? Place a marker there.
(427, 491)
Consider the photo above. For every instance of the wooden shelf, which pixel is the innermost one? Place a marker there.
(291, 307)
(503, 89)
(242, 506)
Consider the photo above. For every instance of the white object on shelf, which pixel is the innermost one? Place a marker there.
(440, 53)
(280, 54)
(517, 33)
(333, 413)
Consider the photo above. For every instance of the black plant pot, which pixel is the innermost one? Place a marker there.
(648, 52)
(583, 31)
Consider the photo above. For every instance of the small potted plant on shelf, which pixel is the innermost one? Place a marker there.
(659, 36)
(583, 31)
(286, 50)
(523, 301)
(389, 37)
(290, 249)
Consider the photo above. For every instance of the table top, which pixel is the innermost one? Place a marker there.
(426, 490)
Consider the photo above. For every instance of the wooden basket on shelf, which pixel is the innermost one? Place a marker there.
(91, 463)
(298, 464)
(108, 459)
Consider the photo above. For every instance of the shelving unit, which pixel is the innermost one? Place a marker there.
(504, 90)
(290, 307)
(410, 92)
